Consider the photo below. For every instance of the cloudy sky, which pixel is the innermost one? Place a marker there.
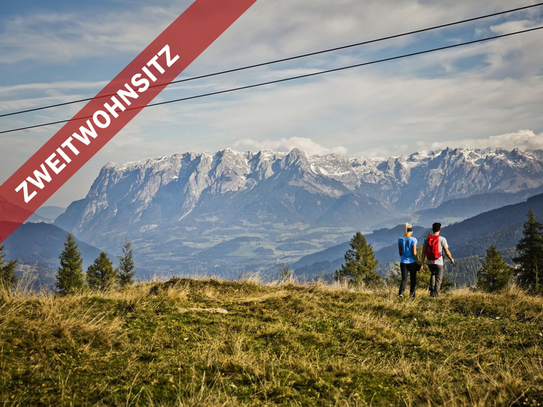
(488, 94)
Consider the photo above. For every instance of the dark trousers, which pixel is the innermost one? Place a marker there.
(436, 278)
(411, 269)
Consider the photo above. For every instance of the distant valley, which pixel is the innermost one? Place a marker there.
(233, 212)
(468, 241)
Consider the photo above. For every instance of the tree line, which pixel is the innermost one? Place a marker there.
(360, 267)
(70, 277)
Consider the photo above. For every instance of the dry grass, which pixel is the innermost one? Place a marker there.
(159, 344)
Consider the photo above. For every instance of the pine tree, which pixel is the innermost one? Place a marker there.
(126, 265)
(495, 275)
(70, 273)
(360, 264)
(530, 255)
(101, 275)
(8, 280)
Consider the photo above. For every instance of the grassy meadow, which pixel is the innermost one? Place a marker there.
(190, 342)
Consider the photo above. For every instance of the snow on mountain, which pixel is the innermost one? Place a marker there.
(203, 199)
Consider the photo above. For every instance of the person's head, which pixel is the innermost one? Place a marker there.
(436, 227)
(408, 230)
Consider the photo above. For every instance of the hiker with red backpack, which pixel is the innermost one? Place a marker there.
(433, 249)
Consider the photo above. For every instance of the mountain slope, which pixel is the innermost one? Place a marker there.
(178, 206)
(491, 227)
(43, 243)
(457, 210)
(501, 227)
(50, 212)
(378, 239)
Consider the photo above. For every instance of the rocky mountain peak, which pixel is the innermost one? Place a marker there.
(296, 159)
(243, 188)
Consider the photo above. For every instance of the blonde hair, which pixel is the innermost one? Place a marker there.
(407, 226)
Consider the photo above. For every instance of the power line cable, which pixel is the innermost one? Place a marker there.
(276, 61)
(220, 92)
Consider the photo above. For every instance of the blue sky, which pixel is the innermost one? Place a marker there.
(479, 96)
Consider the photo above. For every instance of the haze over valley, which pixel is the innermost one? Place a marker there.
(233, 212)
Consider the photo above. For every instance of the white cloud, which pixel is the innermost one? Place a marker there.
(58, 37)
(523, 139)
(458, 96)
(395, 150)
(511, 26)
(269, 29)
(282, 28)
(51, 86)
(30, 95)
(287, 144)
(371, 112)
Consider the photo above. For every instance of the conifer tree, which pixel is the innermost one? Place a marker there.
(8, 280)
(495, 275)
(101, 275)
(70, 273)
(530, 255)
(126, 265)
(360, 264)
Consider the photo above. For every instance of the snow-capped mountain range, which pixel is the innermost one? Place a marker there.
(199, 199)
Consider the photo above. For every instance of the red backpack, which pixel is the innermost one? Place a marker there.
(432, 247)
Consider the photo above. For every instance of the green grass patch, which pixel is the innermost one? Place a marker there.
(172, 343)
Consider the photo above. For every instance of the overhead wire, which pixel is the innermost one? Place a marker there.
(276, 61)
(291, 78)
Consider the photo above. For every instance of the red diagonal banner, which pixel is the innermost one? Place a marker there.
(113, 108)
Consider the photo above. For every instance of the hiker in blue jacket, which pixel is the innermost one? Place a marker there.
(409, 263)
(433, 248)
